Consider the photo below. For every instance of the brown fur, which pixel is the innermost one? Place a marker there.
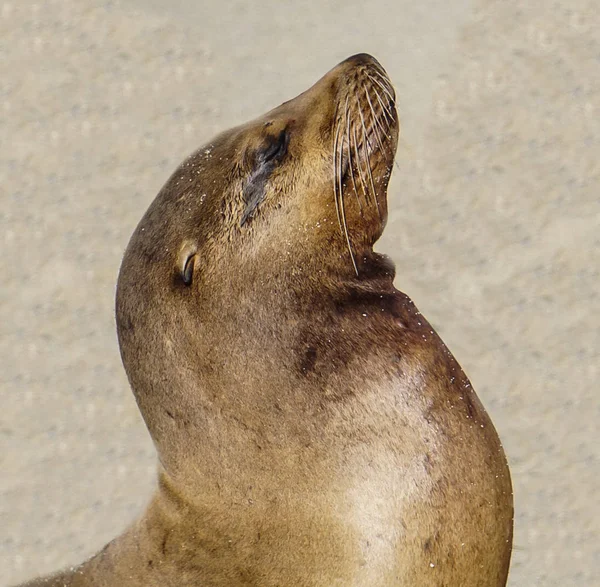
(312, 428)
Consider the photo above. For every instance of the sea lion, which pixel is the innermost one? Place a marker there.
(312, 428)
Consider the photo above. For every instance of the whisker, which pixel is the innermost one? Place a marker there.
(389, 123)
(359, 166)
(390, 108)
(376, 124)
(381, 72)
(368, 161)
(392, 99)
(384, 84)
(350, 162)
(342, 205)
(386, 113)
(335, 179)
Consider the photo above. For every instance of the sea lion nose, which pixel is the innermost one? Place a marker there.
(361, 59)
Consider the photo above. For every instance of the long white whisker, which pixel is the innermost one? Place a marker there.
(388, 120)
(383, 83)
(392, 99)
(386, 114)
(359, 165)
(335, 181)
(342, 206)
(350, 162)
(365, 143)
(376, 125)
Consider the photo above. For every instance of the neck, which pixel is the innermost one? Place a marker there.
(169, 545)
(251, 428)
(220, 542)
(235, 401)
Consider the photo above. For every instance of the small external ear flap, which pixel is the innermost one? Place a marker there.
(186, 261)
(188, 270)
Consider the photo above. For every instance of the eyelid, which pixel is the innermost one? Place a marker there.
(276, 148)
(265, 163)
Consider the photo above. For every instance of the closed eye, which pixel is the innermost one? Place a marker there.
(275, 149)
(268, 156)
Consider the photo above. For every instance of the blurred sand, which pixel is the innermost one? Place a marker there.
(494, 227)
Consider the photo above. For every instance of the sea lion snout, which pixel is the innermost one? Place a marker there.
(360, 60)
(359, 69)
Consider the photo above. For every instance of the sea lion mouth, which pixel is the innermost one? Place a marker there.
(364, 142)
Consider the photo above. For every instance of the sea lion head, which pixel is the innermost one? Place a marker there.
(267, 216)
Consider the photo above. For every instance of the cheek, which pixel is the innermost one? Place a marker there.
(316, 202)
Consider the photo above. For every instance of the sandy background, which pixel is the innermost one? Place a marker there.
(494, 228)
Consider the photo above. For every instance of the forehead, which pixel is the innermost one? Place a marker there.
(310, 108)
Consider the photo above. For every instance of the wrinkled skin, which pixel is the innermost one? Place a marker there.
(312, 428)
